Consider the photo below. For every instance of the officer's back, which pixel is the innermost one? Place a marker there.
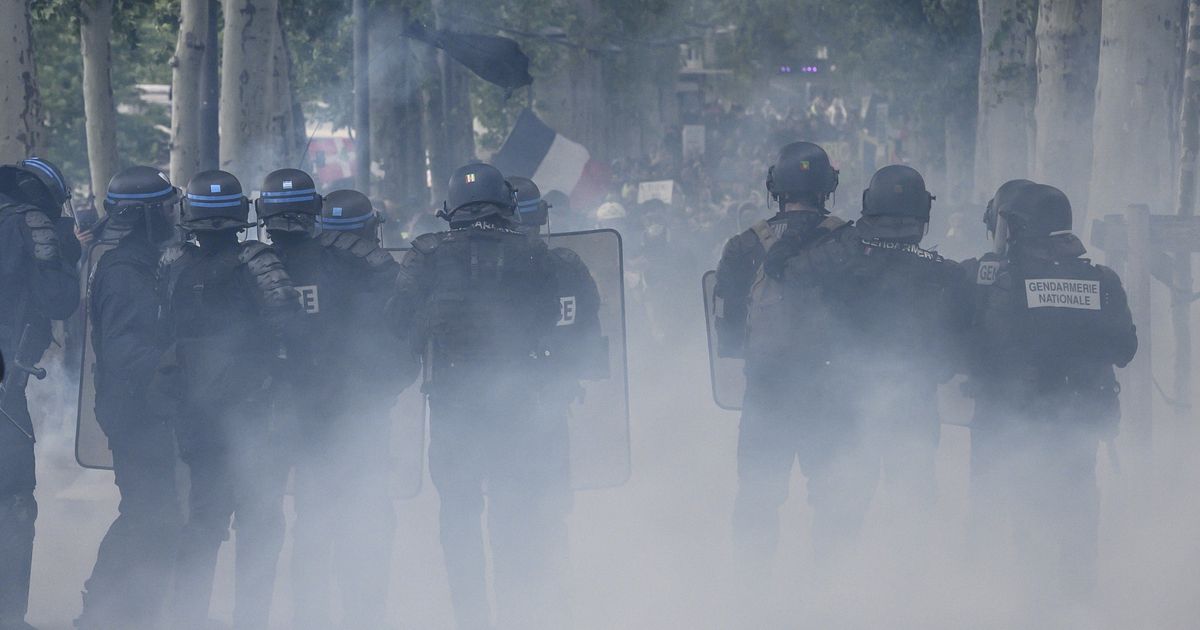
(753, 319)
(902, 307)
(1051, 322)
(481, 295)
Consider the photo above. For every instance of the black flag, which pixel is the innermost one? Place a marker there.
(497, 60)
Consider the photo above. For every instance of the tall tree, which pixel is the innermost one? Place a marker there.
(188, 64)
(95, 31)
(1068, 53)
(1007, 88)
(286, 124)
(1181, 302)
(19, 133)
(210, 92)
(1006, 93)
(246, 66)
(395, 75)
(1135, 105)
(362, 98)
(457, 132)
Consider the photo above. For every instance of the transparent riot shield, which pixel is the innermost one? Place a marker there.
(727, 374)
(409, 417)
(599, 418)
(91, 445)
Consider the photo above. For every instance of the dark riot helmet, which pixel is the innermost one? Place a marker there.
(897, 191)
(348, 211)
(532, 209)
(37, 182)
(802, 170)
(288, 202)
(477, 191)
(1003, 196)
(214, 201)
(1036, 211)
(142, 195)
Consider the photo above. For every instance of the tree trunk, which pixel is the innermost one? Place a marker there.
(959, 152)
(435, 126)
(395, 91)
(458, 128)
(362, 99)
(19, 130)
(210, 92)
(1181, 302)
(95, 30)
(285, 136)
(1132, 161)
(570, 101)
(246, 67)
(1068, 52)
(1006, 93)
(185, 90)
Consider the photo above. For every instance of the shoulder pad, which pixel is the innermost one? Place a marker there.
(426, 243)
(832, 223)
(1107, 274)
(327, 238)
(359, 248)
(43, 235)
(345, 241)
(37, 219)
(354, 244)
(173, 253)
(250, 249)
(566, 255)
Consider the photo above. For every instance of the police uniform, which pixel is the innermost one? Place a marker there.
(1050, 328)
(480, 302)
(793, 408)
(344, 519)
(230, 311)
(131, 578)
(903, 311)
(39, 283)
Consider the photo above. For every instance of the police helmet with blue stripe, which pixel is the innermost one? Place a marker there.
(142, 195)
(38, 182)
(531, 208)
(288, 202)
(349, 211)
(214, 201)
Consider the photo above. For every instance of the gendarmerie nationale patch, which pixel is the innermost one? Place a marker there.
(1062, 293)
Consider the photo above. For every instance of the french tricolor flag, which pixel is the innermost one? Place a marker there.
(552, 161)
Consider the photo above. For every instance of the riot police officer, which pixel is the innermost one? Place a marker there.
(230, 310)
(343, 510)
(131, 578)
(987, 446)
(1051, 327)
(39, 283)
(351, 211)
(902, 312)
(792, 407)
(481, 300)
(577, 352)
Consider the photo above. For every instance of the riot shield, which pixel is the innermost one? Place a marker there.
(727, 374)
(408, 435)
(91, 445)
(599, 418)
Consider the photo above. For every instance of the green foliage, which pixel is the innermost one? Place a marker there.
(920, 54)
(143, 41)
(320, 39)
